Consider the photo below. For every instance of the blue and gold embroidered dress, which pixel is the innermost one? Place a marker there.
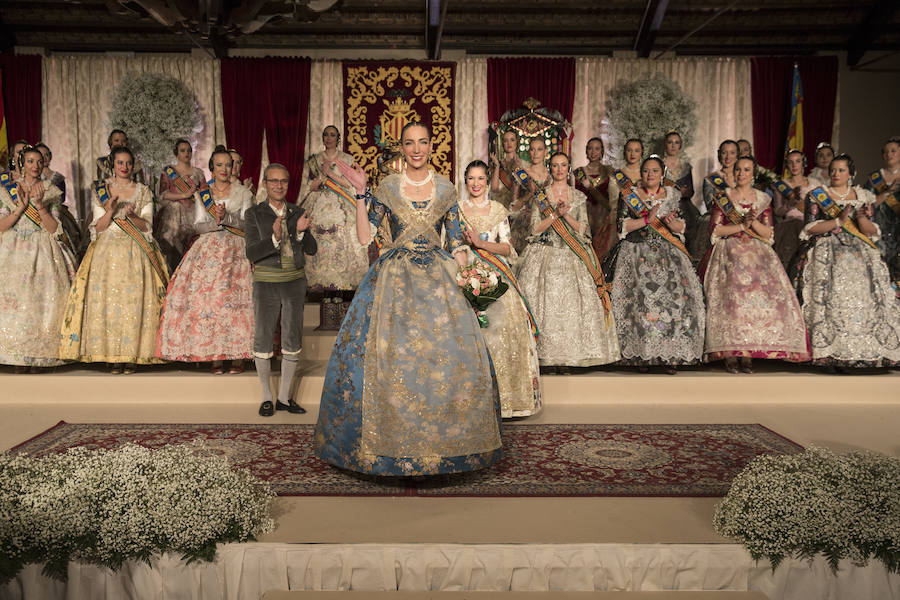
(409, 388)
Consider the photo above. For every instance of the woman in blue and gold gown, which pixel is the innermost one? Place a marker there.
(409, 388)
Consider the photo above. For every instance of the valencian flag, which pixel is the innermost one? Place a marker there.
(4, 144)
(795, 129)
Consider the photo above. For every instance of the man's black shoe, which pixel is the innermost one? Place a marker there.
(292, 407)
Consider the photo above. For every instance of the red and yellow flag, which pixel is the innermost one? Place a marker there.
(795, 129)
(4, 144)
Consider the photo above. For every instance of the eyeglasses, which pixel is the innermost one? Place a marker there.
(278, 181)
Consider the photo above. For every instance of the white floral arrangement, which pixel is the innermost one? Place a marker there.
(842, 506)
(108, 506)
(154, 110)
(647, 109)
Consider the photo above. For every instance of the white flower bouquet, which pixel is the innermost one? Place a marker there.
(481, 287)
(842, 506)
(108, 506)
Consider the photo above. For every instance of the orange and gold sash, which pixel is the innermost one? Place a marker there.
(639, 209)
(788, 193)
(893, 200)
(12, 188)
(731, 213)
(135, 234)
(330, 184)
(622, 180)
(209, 204)
(833, 211)
(502, 268)
(178, 181)
(586, 254)
(878, 182)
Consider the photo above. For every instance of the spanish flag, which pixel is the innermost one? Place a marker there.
(795, 130)
(4, 144)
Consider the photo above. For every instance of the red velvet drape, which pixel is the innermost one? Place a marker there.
(510, 81)
(771, 79)
(22, 96)
(271, 95)
(244, 121)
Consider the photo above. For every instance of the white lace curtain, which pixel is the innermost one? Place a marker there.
(78, 90)
(721, 87)
(76, 98)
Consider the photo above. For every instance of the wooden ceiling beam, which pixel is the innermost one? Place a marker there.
(650, 24)
(880, 13)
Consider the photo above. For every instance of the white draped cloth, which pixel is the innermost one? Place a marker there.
(76, 98)
(720, 86)
(471, 119)
(249, 570)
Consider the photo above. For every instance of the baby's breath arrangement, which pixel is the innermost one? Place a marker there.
(108, 506)
(155, 110)
(842, 506)
(647, 109)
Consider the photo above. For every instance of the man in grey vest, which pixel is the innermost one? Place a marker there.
(277, 240)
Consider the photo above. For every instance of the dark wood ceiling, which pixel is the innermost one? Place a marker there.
(581, 27)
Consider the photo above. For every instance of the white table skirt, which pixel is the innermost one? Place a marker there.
(244, 571)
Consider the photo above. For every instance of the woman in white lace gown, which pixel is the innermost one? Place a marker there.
(37, 267)
(341, 262)
(508, 335)
(848, 303)
(570, 305)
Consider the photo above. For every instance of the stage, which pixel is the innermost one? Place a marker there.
(603, 544)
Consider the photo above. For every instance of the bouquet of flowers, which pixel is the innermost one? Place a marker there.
(481, 286)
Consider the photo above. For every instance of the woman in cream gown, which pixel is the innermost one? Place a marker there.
(571, 306)
(341, 261)
(112, 313)
(509, 335)
(37, 268)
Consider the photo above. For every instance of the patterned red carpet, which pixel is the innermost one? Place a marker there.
(538, 460)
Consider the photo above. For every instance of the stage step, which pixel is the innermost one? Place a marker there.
(777, 384)
(668, 595)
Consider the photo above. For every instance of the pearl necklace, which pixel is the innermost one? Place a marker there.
(841, 197)
(425, 181)
(468, 201)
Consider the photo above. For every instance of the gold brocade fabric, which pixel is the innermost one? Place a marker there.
(112, 313)
(508, 335)
(427, 392)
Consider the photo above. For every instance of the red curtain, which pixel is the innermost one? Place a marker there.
(771, 79)
(244, 121)
(22, 96)
(510, 81)
(271, 95)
